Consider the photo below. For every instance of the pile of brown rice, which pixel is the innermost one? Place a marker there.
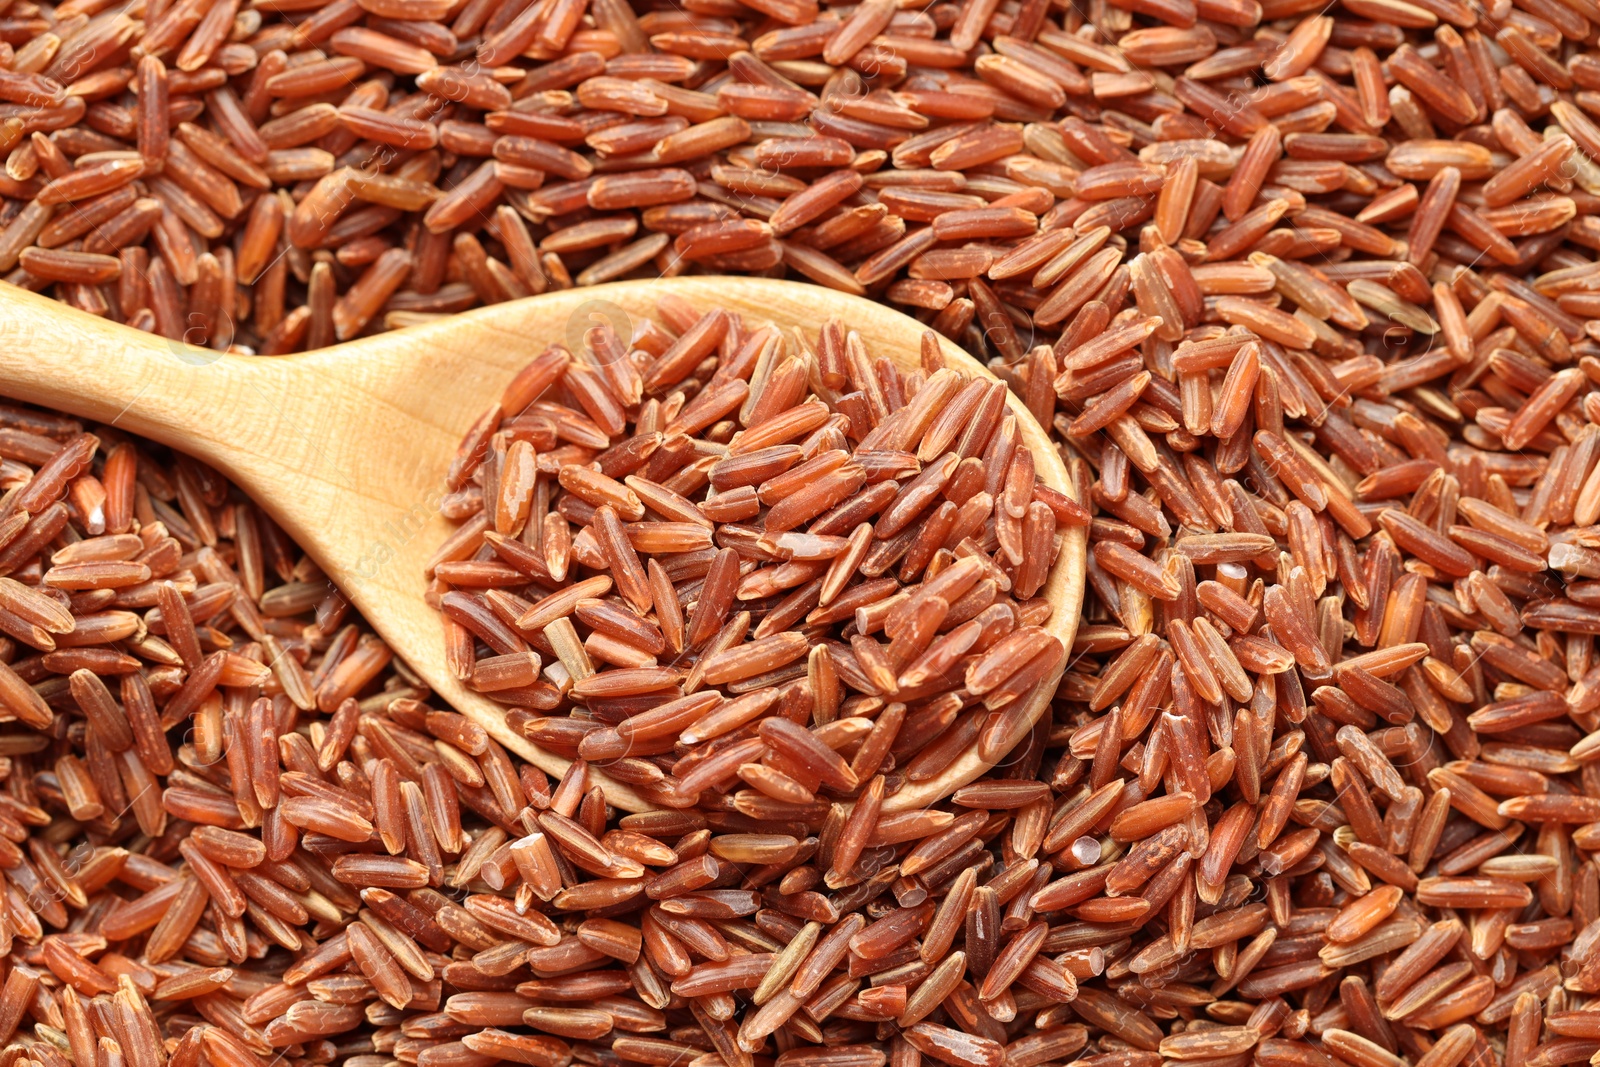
(719, 539)
(1307, 297)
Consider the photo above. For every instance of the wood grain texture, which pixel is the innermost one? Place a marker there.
(346, 447)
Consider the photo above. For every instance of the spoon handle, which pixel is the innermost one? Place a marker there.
(95, 369)
(253, 419)
(279, 427)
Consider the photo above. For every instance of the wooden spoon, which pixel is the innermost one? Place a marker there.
(346, 447)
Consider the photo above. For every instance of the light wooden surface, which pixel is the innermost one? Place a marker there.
(346, 447)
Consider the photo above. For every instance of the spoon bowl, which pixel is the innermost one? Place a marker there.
(346, 448)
